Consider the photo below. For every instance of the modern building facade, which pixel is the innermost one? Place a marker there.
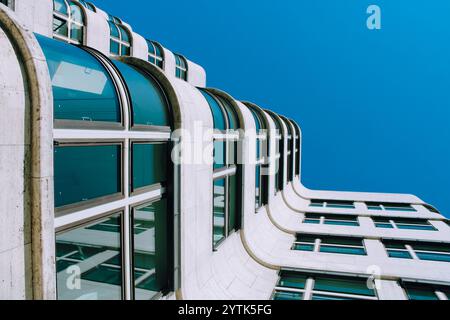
(124, 176)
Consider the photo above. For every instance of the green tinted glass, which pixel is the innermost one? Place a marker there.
(94, 255)
(149, 164)
(84, 173)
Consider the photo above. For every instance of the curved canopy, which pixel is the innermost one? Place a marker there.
(82, 87)
(233, 119)
(148, 103)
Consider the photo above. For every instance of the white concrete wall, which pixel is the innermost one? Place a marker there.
(97, 31)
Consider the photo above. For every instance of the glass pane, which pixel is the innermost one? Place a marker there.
(258, 187)
(416, 227)
(292, 280)
(86, 172)
(433, 256)
(439, 247)
(341, 223)
(148, 102)
(124, 34)
(233, 205)
(89, 263)
(60, 6)
(151, 60)
(114, 31)
(321, 297)
(219, 211)
(82, 88)
(343, 285)
(342, 241)
(304, 247)
(399, 254)
(150, 249)
(149, 164)
(125, 50)
(342, 250)
(384, 225)
(75, 13)
(76, 33)
(151, 47)
(60, 27)
(114, 47)
(232, 116)
(219, 119)
(312, 221)
(283, 295)
(219, 154)
(417, 292)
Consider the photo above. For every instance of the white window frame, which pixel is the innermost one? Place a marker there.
(69, 21)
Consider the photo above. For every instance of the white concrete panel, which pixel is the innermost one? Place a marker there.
(97, 31)
(36, 16)
(196, 74)
(140, 47)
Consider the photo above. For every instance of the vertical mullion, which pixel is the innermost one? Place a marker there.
(308, 289)
(126, 225)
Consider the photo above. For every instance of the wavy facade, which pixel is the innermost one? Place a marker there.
(125, 177)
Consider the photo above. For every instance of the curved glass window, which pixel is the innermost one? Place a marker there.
(120, 43)
(86, 172)
(217, 111)
(181, 67)
(219, 214)
(82, 88)
(68, 21)
(155, 54)
(88, 5)
(147, 100)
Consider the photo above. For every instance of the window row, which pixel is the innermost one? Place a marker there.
(294, 285)
(303, 286)
(379, 222)
(430, 251)
(88, 174)
(90, 258)
(181, 67)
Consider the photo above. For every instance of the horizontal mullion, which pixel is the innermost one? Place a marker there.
(92, 213)
(74, 134)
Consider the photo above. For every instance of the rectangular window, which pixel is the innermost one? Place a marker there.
(418, 250)
(390, 206)
(404, 224)
(330, 219)
(219, 202)
(329, 244)
(150, 249)
(96, 255)
(293, 286)
(149, 164)
(86, 172)
(423, 291)
(336, 204)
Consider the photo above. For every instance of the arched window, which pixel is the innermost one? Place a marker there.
(155, 54)
(88, 5)
(279, 154)
(262, 154)
(181, 67)
(290, 149)
(120, 38)
(68, 21)
(148, 103)
(225, 177)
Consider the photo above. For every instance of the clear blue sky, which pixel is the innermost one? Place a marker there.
(374, 106)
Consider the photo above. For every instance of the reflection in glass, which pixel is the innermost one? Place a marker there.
(149, 164)
(82, 88)
(219, 211)
(89, 262)
(150, 249)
